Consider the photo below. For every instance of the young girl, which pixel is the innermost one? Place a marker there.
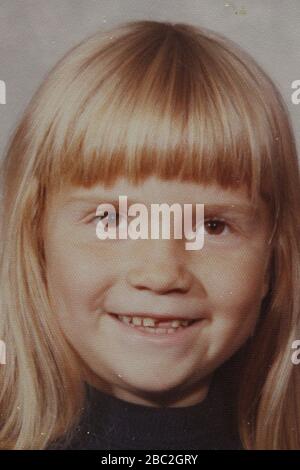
(97, 354)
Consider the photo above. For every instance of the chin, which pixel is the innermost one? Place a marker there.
(152, 384)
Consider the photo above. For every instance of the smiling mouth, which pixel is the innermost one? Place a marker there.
(155, 327)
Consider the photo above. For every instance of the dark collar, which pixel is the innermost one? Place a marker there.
(112, 423)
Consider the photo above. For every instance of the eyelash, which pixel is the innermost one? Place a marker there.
(208, 219)
(219, 220)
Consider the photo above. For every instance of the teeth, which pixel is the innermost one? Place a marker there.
(150, 322)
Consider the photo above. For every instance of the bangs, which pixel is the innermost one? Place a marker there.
(159, 100)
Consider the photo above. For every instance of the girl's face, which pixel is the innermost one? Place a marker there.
(221, 286)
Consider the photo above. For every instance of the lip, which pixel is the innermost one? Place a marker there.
(177, 338)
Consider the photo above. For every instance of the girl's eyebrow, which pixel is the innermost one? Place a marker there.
(242, 209)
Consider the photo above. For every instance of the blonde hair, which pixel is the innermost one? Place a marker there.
(146, 98)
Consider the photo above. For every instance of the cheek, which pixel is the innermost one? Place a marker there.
(238, 282)
(236, 274)
(234, 289)
(234, 286)
(77, 274)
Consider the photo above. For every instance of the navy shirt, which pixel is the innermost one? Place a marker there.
(111, 423)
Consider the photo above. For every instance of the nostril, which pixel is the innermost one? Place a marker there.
(162, 282)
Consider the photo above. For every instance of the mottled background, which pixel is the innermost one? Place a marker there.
(34, 34)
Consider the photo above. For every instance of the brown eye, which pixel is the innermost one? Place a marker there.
(215, 226)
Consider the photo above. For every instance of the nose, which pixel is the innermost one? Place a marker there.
(160, 269)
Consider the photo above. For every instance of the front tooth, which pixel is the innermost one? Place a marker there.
(148, 322)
